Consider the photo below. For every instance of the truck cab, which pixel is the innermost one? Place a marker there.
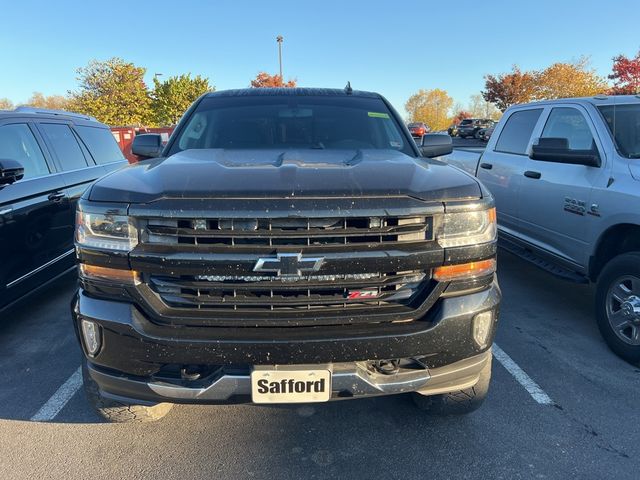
(286, 246)
(565, 174)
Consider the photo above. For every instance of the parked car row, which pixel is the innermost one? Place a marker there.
(565, 175)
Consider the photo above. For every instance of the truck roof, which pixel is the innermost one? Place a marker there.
(596, 100)
(241, 92)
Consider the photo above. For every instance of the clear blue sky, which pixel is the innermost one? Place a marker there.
(394, 48)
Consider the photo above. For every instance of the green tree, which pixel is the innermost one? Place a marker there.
(53, 102)
(113, 91)
(431, 107)
(6, 104)
(171, 98)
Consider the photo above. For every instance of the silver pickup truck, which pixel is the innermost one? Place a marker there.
(565, 175)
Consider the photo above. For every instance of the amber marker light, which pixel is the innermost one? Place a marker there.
(447, 273)
(93, 272)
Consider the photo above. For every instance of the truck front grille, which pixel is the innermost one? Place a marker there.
(287, 232)
(259, 294)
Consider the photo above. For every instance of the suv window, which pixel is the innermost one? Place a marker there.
(466, 121)
(18, 143)
(65, 145)
(516, 133)
(101, 144)
(569, 123)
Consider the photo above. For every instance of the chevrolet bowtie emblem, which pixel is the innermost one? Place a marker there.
(288, 264)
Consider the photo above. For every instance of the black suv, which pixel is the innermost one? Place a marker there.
(290, 245)
(47, 160)
(470, 127)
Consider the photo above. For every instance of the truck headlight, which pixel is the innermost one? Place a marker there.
(106, 231)
(468, 228)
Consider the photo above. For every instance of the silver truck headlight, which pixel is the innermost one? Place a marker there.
(468, 228)
(105, 231)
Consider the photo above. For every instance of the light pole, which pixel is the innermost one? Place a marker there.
(156, 75)
(279, 39)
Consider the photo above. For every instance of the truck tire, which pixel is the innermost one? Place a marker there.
(618, 305)
(117, 412)
(459, 402)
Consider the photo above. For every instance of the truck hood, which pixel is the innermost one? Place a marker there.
(218, 173)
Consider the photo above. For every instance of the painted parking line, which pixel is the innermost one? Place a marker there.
(59, 399)
(521, 377)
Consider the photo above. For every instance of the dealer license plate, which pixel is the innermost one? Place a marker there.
(290, 386)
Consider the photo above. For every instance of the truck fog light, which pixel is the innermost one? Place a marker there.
(91, 334)
(482, 328)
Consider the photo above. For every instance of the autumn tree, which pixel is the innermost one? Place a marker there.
(459, 116)
(565, 80)
(509, 89)
(626, 75)
(52, 102)
(481, 108)
(265, 80)
(113, 91)
(171, 98)
(6, 104)
(431, 107)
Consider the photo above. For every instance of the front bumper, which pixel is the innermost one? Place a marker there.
(348, 380)
(135, 351)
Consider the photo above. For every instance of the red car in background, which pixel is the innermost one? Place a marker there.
(124, 136)
(418, 129)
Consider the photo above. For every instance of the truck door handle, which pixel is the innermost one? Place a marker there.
(486, 166)
(56, 196)
(531, 174)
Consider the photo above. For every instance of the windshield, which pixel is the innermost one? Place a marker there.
(466, 122)
(624, 124)
(291, 122)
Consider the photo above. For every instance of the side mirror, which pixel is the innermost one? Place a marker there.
(557, 150)
(148, 145)
(435, 144)
(10, 171)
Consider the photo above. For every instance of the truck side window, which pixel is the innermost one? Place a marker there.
(569, 123)
(18, 143)
(65, 145)
(516, 133)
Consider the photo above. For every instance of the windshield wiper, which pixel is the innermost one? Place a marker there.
(318, 146)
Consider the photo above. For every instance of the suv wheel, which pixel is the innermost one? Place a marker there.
(459, 402)
(477, 135)
(618, 305)
(118, 412)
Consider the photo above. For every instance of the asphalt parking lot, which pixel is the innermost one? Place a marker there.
(588, 429)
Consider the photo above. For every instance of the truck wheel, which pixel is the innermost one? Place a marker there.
(117, 412)
(618, 305)
(459, 402)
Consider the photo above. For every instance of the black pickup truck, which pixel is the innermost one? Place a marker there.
(287, 245)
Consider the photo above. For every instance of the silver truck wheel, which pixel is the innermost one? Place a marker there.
(618, 305)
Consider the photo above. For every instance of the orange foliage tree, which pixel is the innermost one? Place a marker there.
(265, 80)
